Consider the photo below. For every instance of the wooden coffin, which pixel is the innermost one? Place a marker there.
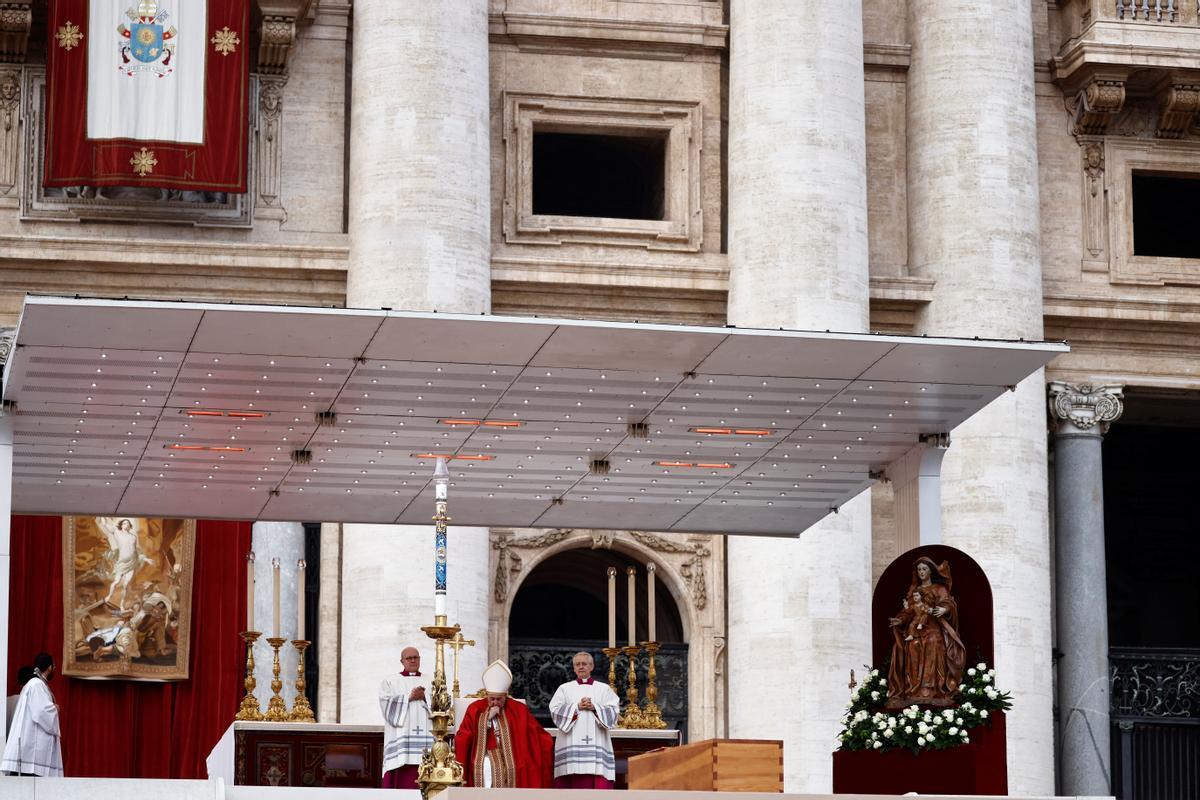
(714, 765)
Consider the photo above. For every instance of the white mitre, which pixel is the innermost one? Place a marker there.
(497, 678)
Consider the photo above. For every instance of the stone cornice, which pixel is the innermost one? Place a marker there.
(89, 252)
(1167, 311)
(553, 32)
(887, 56)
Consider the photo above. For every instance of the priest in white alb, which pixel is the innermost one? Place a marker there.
(406, 733)
(584, 710)
(34, 745)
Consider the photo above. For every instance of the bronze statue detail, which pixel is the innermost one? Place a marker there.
(928, 656)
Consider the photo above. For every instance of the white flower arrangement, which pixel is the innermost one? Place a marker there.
(867, 727)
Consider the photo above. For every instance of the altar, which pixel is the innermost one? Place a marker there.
(350, 756)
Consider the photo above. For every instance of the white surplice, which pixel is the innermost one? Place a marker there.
(34, 743)
(583, 746)
(406, 733)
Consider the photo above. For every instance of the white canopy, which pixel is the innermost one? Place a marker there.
(217, 411)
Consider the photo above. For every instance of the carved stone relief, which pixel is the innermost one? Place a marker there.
(1096, 105)
(1095, 208)
(10, 134)
(1082, 407)
(276, 44)
(1178, 104)
(16, 18)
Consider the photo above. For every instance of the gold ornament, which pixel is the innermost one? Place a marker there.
(143, 162)
(69, 36)
(225, 41)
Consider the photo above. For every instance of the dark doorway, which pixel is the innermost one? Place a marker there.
(1151, 549)
(1164, 208)
(562, 608)
(619, 176)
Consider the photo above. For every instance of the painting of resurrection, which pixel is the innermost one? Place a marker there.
(127, 585)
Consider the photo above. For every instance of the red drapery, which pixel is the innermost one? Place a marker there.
(216, 164)
(125, 729)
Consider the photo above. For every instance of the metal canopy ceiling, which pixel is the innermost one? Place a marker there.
(107, 393)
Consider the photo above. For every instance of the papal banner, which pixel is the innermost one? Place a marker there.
(146, 93)
(127, 597)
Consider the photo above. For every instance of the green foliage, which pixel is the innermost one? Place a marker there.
(867, 726)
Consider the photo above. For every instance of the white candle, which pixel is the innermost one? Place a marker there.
(632, 573)
(650, 598)
(250, 591)
(275, 597)
(612, 607)
(300, 599)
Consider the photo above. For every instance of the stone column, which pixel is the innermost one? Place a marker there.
(974, 229)
(285, 541)
(419, 240)
(420, 157)
(799, 610)
(1082, 415)
(329, 632)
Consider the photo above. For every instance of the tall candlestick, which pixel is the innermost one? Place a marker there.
(250, 591)
(650, 598)
(612, 607)
(300, 599)
(275, 571)
(441, 483)
(632, 573)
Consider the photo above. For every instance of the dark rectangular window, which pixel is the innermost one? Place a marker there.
(599, 175)
(1164, 215)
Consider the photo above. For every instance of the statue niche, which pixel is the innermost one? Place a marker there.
(928, 656)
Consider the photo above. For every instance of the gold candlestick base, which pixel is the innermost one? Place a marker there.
(439, 769)
(301, 710)
(249, 708)
(651, 715)
(276, 708)
(632, 717)
(612, 653)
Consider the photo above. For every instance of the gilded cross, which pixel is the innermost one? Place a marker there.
(457, 644)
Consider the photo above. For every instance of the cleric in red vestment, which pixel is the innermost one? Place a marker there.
(500, 744)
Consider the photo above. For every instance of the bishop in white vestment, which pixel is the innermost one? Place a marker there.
(406, 730)
(34, 745)
(584, 710)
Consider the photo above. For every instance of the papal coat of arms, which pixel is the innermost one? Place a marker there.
(146, 43)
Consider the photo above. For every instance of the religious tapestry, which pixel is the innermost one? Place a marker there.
(127, 585)
(148, 93)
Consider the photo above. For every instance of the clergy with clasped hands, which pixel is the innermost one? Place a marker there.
(34, 745)
(406, 729)
(499, 742)
(584, 711)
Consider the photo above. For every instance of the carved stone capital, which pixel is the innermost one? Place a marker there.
(16, 18)
(1085, 408)
(1177, 107)
(278, 34)
(1097, 104)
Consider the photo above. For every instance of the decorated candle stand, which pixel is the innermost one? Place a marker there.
(439, 769)
(636, 716)
(277, 711)
(249, 708)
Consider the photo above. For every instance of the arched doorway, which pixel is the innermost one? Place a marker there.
(562, 607)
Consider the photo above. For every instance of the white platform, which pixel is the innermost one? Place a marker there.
(106, 393)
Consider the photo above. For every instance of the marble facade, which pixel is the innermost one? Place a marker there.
(957, 168)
